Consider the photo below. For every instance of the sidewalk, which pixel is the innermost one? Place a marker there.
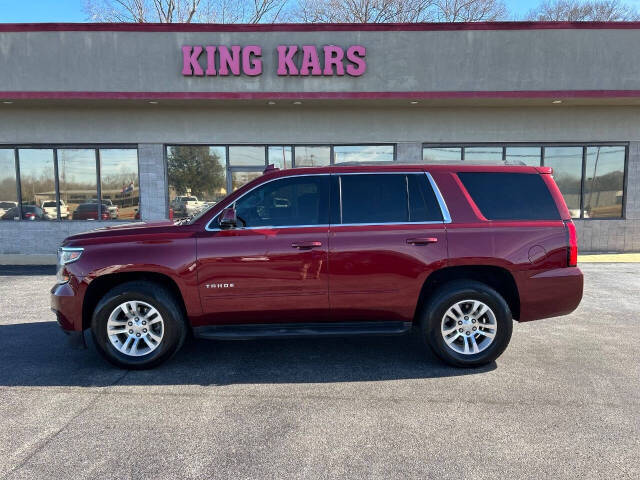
(609, 258)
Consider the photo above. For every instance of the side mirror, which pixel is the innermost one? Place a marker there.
(228, 218)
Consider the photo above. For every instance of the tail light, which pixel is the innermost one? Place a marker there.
(104, 216)
(572, 252)
(30, 216)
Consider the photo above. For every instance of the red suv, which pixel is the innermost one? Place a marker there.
(453, 252)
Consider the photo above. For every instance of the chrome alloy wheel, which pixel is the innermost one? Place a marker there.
(135, 328)
(469, 327)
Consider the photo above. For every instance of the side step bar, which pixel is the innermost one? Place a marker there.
(285, 330)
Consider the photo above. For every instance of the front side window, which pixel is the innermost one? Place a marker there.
(291, 201)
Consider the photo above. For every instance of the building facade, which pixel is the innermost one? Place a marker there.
(109, 123)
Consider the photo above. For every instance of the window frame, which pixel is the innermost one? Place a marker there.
(444, 211)
(542, 146)
(96, 147)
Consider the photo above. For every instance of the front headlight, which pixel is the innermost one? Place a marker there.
(66, 255)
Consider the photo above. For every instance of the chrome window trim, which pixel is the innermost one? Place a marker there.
(443, 205)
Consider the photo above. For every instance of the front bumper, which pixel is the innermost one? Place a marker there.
(66, 303)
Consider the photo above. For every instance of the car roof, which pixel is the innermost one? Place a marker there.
(408, 167)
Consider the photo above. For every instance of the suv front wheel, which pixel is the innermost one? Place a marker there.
(138, 325)
(466, 323)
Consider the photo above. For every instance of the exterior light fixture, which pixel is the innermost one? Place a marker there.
(557, 101)
(153, 102)
(271, 102)
(414, 102)
(7, 102)
(297, 103)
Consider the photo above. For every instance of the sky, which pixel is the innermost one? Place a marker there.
(26, 11)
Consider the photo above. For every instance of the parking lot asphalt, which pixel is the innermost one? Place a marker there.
(562, 402)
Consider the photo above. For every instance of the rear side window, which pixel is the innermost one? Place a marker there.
(387, 198)
(510, 196)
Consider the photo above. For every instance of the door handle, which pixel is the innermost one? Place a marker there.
(422, 240)
(306, 245)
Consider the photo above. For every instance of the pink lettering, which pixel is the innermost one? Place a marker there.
(356, 54)
(286, 66)
(229, 61)
(310, 60)
(211, 60)
(190, 64)
(251, 66)
(333, 56)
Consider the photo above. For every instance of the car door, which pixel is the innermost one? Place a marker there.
(271, 268)
(388, 237)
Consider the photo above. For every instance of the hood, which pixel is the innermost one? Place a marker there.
(126, 230)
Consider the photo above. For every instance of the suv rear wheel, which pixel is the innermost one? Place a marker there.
(138, 325)
(466, 323)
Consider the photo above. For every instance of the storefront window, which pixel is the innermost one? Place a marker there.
(523, 155)
(119, 183)
(8, 187)
(197, 178)
(483, 154)
(312, 156)
(238, 179)
(441, 154)
(246, 156)
(366, 153)
(603, 183)
(77, 180)
(567, 172)
(37, 182)
(279, 156)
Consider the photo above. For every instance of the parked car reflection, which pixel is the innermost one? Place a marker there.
(29, 212)
(6, 206)
(89, 211)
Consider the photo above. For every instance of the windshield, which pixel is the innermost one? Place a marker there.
(7, 204)
(49, 204)
(190, 199)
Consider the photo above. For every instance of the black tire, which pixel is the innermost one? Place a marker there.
(446, 296)
(159, 297)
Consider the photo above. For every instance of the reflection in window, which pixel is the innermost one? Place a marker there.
(524, 155)
(603, 184)
(77, 180)
(36, 181)
(567, 172)
(195, 171)
(238, 179)
(483, 154)
(119, 183)
(441, 154)
(312, 156)
(279, 156)
(374, 198)
(246, 156)
(8, 190)
(290, 201)
(366, 153)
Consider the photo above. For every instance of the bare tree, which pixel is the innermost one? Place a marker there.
(184, 11)
(379, 11)
(470, 10)
(583, 11)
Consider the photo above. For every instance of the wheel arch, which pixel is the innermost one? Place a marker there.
(103, 283)
(498, 278)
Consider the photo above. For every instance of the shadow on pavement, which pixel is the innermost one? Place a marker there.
(26, 270)
(38, 354)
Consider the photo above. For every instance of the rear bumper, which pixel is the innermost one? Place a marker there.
(550, 294)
